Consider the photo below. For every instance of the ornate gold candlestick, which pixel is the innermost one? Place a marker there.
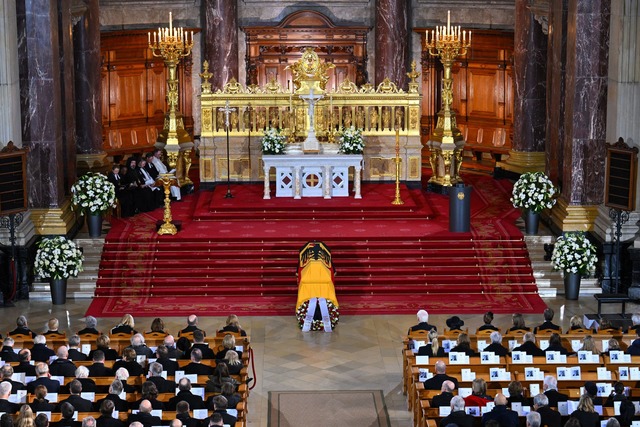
(446, 141)
(398, 200)
(172, 44)
(167, 228)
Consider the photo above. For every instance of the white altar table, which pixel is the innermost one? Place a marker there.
(306, 175)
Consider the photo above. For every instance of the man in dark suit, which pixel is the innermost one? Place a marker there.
(457, 416)
(155, 376)
(7, 354)
(42, 374)
(496, 346)
(172, 351)
(550, 388)
(192, 325)
(529, 345)
(144, 416)
(62, 366)
(67, 420)
(25, 366)
(198, 342)
(171, 366)
(115, 389)
(74, 351)
(423, 325)
(98, 369)
(80, 404)
(150, 168)
(506, 417)
(548, 417)
(196, 367)
(435, 382)
(547, 324)
(106, 415)
(88, 385)
(22, 328)
(139, 346)
(184, 393)
(7, 372)
(444, 398)
(220, 405)
(5, 405)
(40, 352)
(90, 324)
(182, 413)
(129, 362)
(634, 348)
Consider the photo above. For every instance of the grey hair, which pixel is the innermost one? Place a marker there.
(457, 403)
(5, 388)
(534, 419)
(9, 342)
(540, 400)
(423, 315)
(40, 339)
(116, 387)
(74, 341)
(551, 382)
(137, 339)
(91, 322)
(612, 422)
(530, 337)
(21, 321)
(156, 369)
(82, 372)
(496, 337)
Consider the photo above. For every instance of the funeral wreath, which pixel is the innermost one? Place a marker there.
(93, 194)
(58, 258)
(574, 253)
(533, 191)
(317, 325)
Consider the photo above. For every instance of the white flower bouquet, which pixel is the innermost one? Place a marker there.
(574, 253)
(351, 141)
(534, 191)
(273, 142)
(58, 258)
(93, 194)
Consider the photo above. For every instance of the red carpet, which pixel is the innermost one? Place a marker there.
(239, 255)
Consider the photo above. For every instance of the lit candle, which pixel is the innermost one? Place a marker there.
(170, 21)
(469, 37)
(432, 38)
(154, 39)
(191, 37)
(464, 35)
(149, 37)
(448, 21)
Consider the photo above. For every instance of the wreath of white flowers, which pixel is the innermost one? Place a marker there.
(273, 142)
(574, 253)
(534, 191)
(351, 141)
(58, 258)
(318, 325)
(93, 194)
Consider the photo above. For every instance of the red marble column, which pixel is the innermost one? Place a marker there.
(86, 44)
(221, 40)
(530, 59)
(584, 148)
(392, 41)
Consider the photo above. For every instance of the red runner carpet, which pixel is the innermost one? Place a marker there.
(239, 255)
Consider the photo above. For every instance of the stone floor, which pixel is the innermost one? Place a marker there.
(362, 353)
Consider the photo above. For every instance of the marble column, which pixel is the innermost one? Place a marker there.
(9, 82)
(50, 162)
(88, 90)
(221, 39)
(583, 148)
(392, 42)
(530, 76)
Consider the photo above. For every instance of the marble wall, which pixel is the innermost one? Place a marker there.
(9, 80)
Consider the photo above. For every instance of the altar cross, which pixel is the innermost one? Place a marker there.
(227, 110)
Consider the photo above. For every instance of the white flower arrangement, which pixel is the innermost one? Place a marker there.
(93, 194)
(58, 258)
(351, 141)
(534, 191)
(273, 142)
(574, 253)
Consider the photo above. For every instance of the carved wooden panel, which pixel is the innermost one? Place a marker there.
(134, 92)
(270, 49)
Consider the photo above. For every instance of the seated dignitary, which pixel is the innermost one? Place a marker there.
(478, 396)
(75, 353)
(550, 389)
(547, 324)
(233, 325)
(115, 390)
(82, 375)
(516, 394)
(7, 372)
(53, 326)
(506, 417)
(106, 415)
(80, 404)
(496, 346)
(529, 345)
(42, 377)
(62, 366)
(150, 393)
(90, 325)
(129, 362)
(155, 376)
(433, 348)
(219, 377)
(40, 352)
(162, 354)
(196, 366)
(40, 402)
(555, 344)
(192, 326)
(220, 406)
(172, 350)
(586, 413)
(24, 363)
(549, 417)
(22, 328)
(458, 416)
(423, 323)
(125, 326)
(444, 398)
(228, 343)
(435, 382)
(102, 344)
(233, 362)
(67, 420)
(7, 354)
(139, 346)
(464, 346)
(518, 324)
(488, 325)
(5, 405)
(98, 368)
(182, 414)
(184, 393)
(198, 342)
(144, 416)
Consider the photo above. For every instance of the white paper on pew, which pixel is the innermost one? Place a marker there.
(603, 373)
(122, 396)
(572, 405)
(518, 357)
(153, 349)
(464, 391)
(20, 396)
(198, 391)
(634, 373)
(482, 344)
(517, 406)
(444, 411)
(467, 374)
(505, 391)
(489, 358)
(75, 415)
(635, 423)
(528, 358)
(224, 425)
(163, 374)
(233, 412)
(626, 358)
(424, 374)
(604, 389)
(603, 423)
(605, 345)
(474, 411)
(458, 358)
(89, 395)
(27, 380)
(416, 346)
(616, 356)
(178, 376)
(544, 344)
(513, 344)
(526, 410)
(534, 389)
(563, 408)
(85, 348)
(52, 397)
(623, 373)
(494, 374)
(575, 373)
(47, 413)
(52, 358)
(562, 374)
(636, 403)
(420, 360)
(553, 356)
(448, 345)
(490, 405)
(141, 358)
(156, 412)
(598, 409)
(576, 345)
(201, 414)
(484, 410)
(616, 408)
(59, 378)
(116, 414)
(19, 376)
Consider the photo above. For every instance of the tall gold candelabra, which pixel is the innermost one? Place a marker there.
(398, 199)
(172, 44)
(446, 141)
(167, 226)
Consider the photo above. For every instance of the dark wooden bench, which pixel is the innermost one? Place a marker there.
(611, 299)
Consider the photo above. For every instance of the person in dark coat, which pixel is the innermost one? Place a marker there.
(444, 398)
(74, 351)
(547, 324)
(196, 367)
(129, 362)
(423, 323)
(25, 365)
(115, 390)
(155, 376)
(7, 354)
(591, 390)
(220, 407)
(586, 413)
(634, 348)
(496, 346)
(198, 342)
(67, 420)
(555, 344)
(90, 324)
(102, 344)
(550, 388)
(42, 374)
(432, 348)
(487, 319)
(182, 413)
(171, 366)
(144, 416)
(139, 346)
(79, 403)
(62, 366)
(464, 346)
(7, 372)
(184, 393)
(548, 417)
(617, 395)
(40, 352)
(5, 405)
(127, 323)
(40, 402)
(150, 393)
(529, 345)
(506, 417)
(458, 416)
(233, 325)
(106, 415)
(98, 368)
(192, 326)
(435, 382)
(22, 328)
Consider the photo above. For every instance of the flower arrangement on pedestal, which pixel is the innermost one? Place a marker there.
(574, 253)
(273, 142)
(93, 194)
(351, 141)
(534, 192)
(58, 258)
(318, 325)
